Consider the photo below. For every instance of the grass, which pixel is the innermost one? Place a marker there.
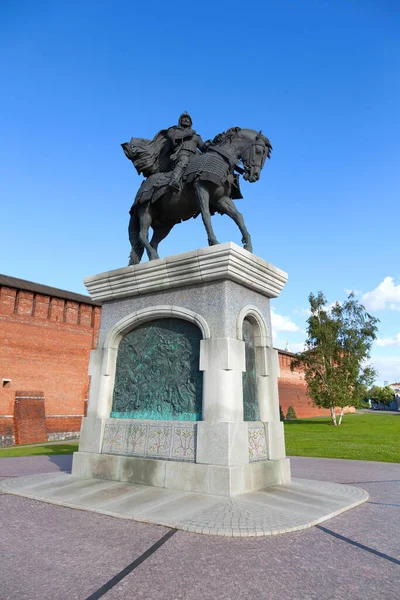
(38, 450)
(359, 437)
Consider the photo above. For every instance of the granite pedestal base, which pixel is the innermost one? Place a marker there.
(191, 477)
(235, 442)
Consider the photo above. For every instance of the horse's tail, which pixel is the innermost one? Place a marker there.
(134, 230)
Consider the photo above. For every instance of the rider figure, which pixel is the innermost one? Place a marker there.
(185, 142)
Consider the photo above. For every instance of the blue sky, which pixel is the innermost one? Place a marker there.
(320, 78)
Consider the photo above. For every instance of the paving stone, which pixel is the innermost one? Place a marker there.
(271, 511)
(56, 552)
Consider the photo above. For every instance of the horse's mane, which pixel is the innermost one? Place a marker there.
(227, 135)
(224, 136)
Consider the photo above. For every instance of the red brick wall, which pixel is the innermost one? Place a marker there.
(6, 430)
(64, 424)
(7, 427)
(45, 344)
(293, 390)
(29, 418)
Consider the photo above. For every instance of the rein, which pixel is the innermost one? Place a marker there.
(233, 160)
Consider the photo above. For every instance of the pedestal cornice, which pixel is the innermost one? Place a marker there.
(225, 261)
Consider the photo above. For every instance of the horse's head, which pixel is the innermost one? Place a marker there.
(254, 153)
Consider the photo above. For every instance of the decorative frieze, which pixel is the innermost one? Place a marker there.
(169, 440)
(257, 441)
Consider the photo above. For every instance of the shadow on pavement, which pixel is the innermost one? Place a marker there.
(62, 461)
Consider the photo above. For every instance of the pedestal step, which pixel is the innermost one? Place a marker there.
(191, 477)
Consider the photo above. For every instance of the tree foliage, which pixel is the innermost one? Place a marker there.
(383, 395)
(339, 340)
(291, 414)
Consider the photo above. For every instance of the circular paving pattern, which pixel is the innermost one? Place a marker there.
(274, 510)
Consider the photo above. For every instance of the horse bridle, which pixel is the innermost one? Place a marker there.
(252, 159)
(245, 169)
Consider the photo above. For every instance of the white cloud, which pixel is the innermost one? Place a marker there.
(282, 343)
(390, 341)
(281, 323)
(296, 347)
(388, 368)
(386, 295)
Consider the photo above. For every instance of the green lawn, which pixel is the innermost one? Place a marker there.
(359, 437)
(64, 448)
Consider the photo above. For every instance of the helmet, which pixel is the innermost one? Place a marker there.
(185, 114)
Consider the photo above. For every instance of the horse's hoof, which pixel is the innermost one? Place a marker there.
(213, 242)
(248, 247)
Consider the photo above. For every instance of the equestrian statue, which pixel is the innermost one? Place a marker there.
(186, 177)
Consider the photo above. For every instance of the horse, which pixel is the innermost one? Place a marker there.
(207, 188)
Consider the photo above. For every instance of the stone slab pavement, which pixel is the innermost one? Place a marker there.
(18, 466)
(270, 511)
(51, 551)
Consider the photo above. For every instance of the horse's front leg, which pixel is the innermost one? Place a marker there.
(226, 206)
(203, 202)
(145, 220)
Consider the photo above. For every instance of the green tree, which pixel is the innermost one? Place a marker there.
(382, 394)
(339, 341)
(364, 396)
(291, 414)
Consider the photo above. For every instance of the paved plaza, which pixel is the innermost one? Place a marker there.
(276, 509)
(52, 551)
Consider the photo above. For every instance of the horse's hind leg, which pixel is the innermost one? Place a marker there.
(159, 233)
(145, 219)
(227, 207)
(137, 246)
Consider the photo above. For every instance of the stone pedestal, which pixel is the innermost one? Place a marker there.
(217, 289)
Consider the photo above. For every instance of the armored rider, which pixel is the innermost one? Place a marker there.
(185, 142)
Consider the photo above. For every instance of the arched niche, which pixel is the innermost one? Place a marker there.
(251, 328)
(151, 362)
(251, 411)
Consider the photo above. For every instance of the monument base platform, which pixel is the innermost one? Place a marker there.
(274, 510)
(184, 381)
(219, 480)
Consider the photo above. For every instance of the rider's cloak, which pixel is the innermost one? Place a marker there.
(150, 156)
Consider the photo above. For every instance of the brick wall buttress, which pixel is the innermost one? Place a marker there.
(29, 418)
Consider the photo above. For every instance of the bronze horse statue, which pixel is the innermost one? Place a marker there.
(209, 184)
